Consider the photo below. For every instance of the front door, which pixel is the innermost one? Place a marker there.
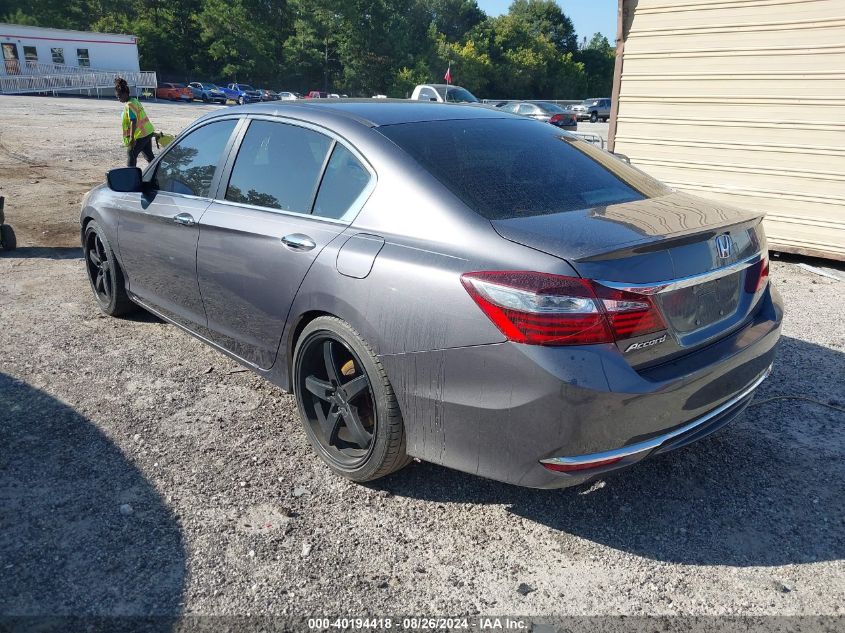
(158, 230)
(258, 243)
(11, 59)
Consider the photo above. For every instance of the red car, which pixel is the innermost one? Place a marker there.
(174, 92)
(317, 94)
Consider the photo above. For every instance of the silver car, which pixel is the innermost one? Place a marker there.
(461, 285)
(543, 111)
(592, 110)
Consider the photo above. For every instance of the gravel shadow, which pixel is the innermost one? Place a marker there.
(68, 544)
(764, 491)
(44, 252)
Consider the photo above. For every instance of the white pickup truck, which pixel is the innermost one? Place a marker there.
(442, 93)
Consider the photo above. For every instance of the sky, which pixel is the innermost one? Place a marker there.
(589, 16)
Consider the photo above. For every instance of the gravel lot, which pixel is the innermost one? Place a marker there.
(143, 473)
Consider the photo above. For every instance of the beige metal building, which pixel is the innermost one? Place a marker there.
(741, 101)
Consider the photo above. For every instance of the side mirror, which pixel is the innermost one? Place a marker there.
(124, 179)
(623, 158)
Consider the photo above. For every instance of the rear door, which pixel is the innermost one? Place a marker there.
(287, 193)
(157, 230)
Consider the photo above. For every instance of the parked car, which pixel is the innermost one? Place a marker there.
(268, 95)
(543, 111)
(504, 299)
(443, 93)
(316, 94)
(243, 93)
(207, 92)
(592, 110)
(174, 92)
(286, 96)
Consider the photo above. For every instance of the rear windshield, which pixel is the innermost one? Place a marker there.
(508, 168)
(457, 95)
(549, 107)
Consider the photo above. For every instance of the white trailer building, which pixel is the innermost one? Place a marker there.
(741, 101)
(38, 59)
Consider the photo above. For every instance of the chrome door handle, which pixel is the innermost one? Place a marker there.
(298, 242)
(185, 219)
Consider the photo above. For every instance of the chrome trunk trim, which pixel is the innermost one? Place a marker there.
(683, 282)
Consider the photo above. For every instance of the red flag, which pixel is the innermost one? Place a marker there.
(448, 75)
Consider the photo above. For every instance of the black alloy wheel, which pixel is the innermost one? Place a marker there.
(346, 403)
(104, 272)
(340, 398)
(594, 117)
(99, 268)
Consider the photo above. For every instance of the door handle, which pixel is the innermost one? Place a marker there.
(298, 242)
(185, 219)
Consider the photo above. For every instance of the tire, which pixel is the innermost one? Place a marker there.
(241, 100)
(324, 409)
(8, 240)
(594, 117)
(104, 273)
(205, 98)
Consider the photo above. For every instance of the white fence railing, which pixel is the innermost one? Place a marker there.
(34, 77)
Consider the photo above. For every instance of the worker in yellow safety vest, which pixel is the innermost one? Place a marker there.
(138, 132)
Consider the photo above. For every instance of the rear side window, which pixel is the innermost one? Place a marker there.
(189, 166)
(344, 181)
(278, 166)
(507, 168)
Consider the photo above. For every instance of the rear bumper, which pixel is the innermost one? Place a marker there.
(500, 410)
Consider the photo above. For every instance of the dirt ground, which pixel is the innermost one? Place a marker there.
(143, 473)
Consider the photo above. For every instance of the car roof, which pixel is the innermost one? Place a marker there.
(370, 112)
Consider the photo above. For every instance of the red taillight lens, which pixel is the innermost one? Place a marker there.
(757, 275)
(537, 308)
(542, 309)
(628, 313)
(555, 118)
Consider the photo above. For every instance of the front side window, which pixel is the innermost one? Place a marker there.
(278, 166)
(526, 108)
(58, 55)
(189, 166)
(344, 181)
(82, 57)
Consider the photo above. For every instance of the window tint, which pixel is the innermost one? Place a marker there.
(278, 166)
(549, 108)
(506, 168)
(189, 166)
(343, 182)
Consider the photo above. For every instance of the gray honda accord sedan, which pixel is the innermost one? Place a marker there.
(456, 284)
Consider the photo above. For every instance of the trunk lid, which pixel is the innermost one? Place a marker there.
(642, 245)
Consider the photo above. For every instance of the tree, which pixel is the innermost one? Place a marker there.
(544, 18)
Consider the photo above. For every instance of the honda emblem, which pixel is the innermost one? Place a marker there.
(724, 246)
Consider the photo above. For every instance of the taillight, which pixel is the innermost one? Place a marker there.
(543, 309)
(757, 275)
(629, 314)
(555, 118)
